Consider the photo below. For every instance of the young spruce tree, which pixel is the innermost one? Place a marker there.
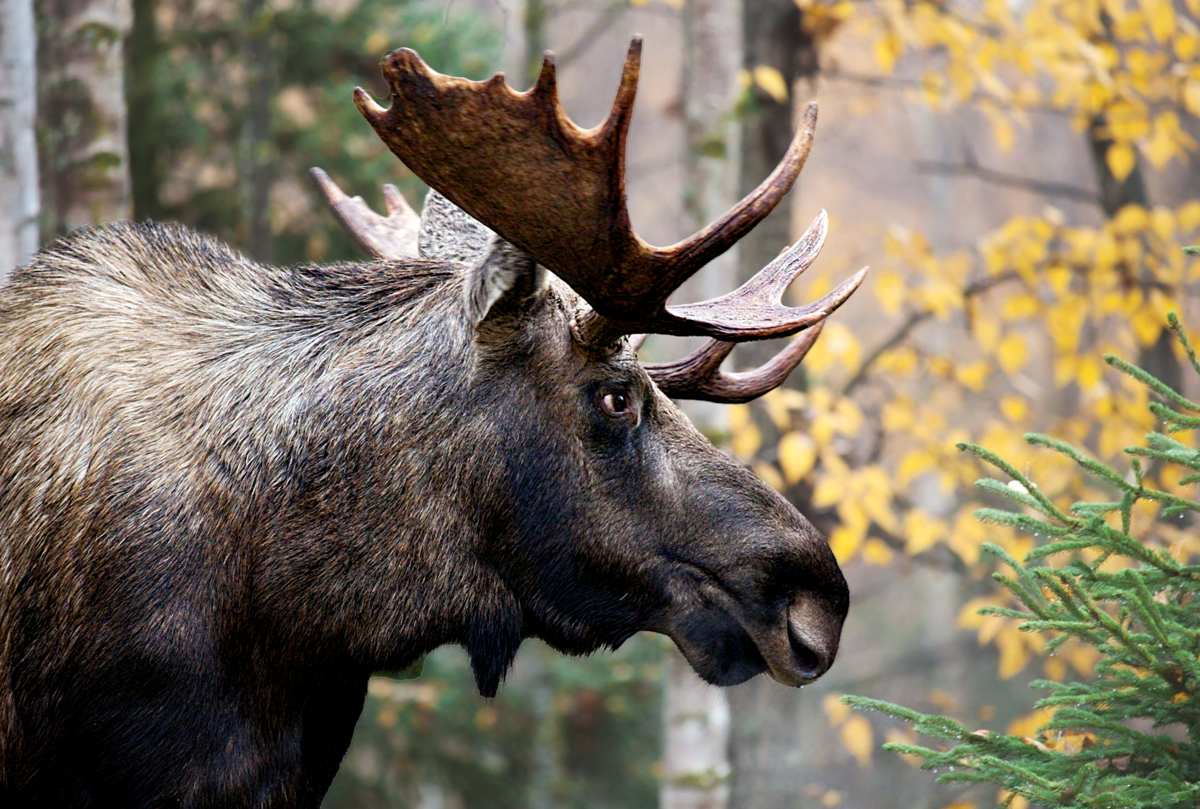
(1130, 737)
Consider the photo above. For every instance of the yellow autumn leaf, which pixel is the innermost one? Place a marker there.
(1162, 20)
(887, 49)
(1147, 324)
(899, 361)
(738, 415)
(898, 415)
(968, 614)
(844, 541)
(921, 531)
(1012, 353)
(1002, 131)
(1014, 654)
(849, 417)
(876, 552)
(857, 737)
(1027, 725)
(914, 464)
(769, 475)
(836, 711)
(1014, 408)
(838, 347)
(1054, 668)
(771, 81)
(1121, 160)
(1019, 306)
(829, 490)
(797, 456)
(823, 428)
(890, 289)
(1089, 372)
(972, 375)
(746, 441)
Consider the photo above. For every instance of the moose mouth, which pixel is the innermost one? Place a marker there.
(724, 646)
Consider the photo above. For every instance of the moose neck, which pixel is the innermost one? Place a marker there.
(374, 561)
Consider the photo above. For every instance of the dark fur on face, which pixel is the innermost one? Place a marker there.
(229, 493)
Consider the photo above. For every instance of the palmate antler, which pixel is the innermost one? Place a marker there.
(518, 164)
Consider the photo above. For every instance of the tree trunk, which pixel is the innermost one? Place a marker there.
(142, 54)
(772, 37)
(18, 141)
(257, 149)
(697, 715)
(765, 738)
(1158, 359)
(81, 112)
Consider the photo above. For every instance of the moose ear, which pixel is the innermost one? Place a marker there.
(503, 280)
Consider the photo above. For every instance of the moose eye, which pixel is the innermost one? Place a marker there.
(615, 403)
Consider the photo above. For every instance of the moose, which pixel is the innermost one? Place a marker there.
(229, 493)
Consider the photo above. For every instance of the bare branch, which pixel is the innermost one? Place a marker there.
(969, 168)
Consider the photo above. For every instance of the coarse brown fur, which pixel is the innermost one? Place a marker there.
(230, 492)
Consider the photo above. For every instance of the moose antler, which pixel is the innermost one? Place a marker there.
(699, 375)
(393, 236)
(517, 163)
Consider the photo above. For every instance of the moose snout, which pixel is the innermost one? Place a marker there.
(804, 646)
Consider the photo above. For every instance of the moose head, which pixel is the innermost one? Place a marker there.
(627, 518)
(229, 492)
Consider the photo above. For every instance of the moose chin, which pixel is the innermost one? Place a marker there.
(230, 492)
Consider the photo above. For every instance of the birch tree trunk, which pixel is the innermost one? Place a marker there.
(18, 141)
(766, 743)
(696, 761)
(81, 112)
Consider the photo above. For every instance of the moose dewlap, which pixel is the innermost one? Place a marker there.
(230, 492)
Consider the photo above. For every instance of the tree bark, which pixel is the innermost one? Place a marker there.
(81, 112)
(257, 148)
(142, 54)
(765, 737)
(18, 141)
(772, 37)
(697, 714)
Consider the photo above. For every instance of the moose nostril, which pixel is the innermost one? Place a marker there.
(808, 662)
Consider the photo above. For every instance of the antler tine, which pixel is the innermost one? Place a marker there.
(698, 250)
(699, 375)
(755, 310)
(390, 237)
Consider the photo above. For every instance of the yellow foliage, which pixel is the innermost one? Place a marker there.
(922, 531)
(1014, 408)
(876, 552)
(1012, 353)
(771, 81)
(973, 375)
(1020, 306)
(1027, 726)
(838, 347)
(797, 456)
(836, 711)
(857, 737)
(1121, 160)
(890, 289)
(746, 441)
(769, 475)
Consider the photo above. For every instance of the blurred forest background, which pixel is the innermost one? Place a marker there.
(1019, 173)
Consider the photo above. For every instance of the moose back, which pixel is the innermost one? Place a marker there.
(231, 492)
